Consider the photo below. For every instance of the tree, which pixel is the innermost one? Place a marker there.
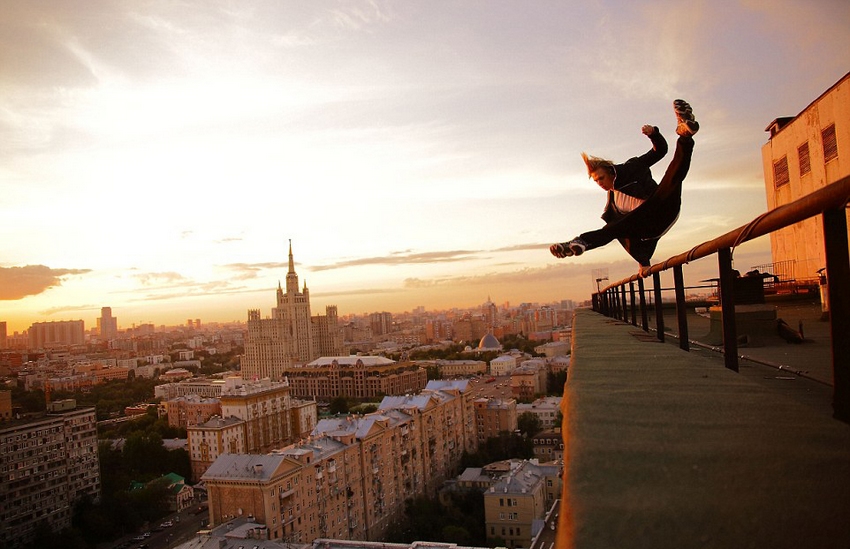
(529, 424)
(555, 383)
(339, 405)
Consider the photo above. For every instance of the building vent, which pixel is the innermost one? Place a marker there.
(830, 144)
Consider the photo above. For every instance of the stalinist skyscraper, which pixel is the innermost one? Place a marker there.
(292, 336)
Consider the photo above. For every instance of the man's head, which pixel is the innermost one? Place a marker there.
(600, 170)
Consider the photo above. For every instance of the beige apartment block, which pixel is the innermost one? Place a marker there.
(440, 418)
(493, 416)
(305, 415)
(518, 499)
(803, 154)
(255, 418)
(350, 478)
(462, 390)
(191, 410)
(546, 409)
(389, 464)
(211, 439)
(529, 379)
(49, 464)
(548, 445)
(209, 388)
(357, 376)
(461, 368)
(503, 365)
(267, 488)
(265, 409)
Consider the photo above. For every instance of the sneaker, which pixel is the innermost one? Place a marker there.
(686, 124)
(577, 246)
(561, 250)
(644, 271)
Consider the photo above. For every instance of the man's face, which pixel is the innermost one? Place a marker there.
(603, 178)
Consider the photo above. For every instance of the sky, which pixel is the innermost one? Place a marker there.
(159, 156)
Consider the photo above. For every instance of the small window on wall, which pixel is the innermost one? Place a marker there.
(830, 144)
(780, 172)
(803, 156)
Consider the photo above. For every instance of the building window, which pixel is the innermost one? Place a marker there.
(803, 156)
(780, 172)
(830, 144)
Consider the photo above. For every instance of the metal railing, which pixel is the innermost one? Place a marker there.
(623, 301)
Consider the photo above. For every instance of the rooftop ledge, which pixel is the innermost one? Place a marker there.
(667, 448)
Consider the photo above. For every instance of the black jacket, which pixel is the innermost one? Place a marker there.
(634, 177)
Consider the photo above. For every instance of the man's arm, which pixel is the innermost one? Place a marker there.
(659, 145)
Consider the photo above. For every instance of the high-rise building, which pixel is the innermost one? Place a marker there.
(107, 325)
(64, 332)
(2, 334)
(381, 323)
(291, 336)
(49, 464)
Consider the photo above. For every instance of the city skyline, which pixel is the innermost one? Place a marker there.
(160, 161)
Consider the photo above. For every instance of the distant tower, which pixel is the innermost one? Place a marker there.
(292, 336)
(107, 324)
(293, 309)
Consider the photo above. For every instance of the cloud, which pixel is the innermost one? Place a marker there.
(150, 279)
(402, 258)
(20, 282)
(246, 271)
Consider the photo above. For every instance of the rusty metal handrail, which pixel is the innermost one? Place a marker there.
(830, 202)
(833, 196)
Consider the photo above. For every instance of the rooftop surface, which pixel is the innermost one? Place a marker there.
(668, 448)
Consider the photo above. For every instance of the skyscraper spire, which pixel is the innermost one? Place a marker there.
(291, 277)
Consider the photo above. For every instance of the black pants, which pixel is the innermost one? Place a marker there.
(639, 230)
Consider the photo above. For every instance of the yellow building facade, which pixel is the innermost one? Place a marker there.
(803, 154)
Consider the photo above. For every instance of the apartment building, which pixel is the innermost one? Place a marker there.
(529, 379)
(210, 388)
(493, 416)
(211, 439)
(515, 502)
(546, 409)
(357, 376)
(461, 389)
(48, 464)
(255, 418)
(64, 332)
(801, 156)
(264, 406)
(503, 365)
(461, 368)
(349, 480)
(548, 445)
(191, 410)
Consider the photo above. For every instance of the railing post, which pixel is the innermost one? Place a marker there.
(615, 302)
(595, 301)
(838, 293)
(625, 303)
(659, 310)
(681, 311)
(632, 302)
(727, 306)
(644, 320)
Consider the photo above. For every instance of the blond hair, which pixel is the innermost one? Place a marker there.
(594, 163)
